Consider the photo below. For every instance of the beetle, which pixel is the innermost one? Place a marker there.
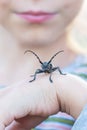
(46, 67)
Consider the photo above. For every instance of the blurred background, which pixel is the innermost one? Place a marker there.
(78, 32)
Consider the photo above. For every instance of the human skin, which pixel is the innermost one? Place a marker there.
(16, 35)
(40, 38)
(27, 104)
(42, 34)
(3, 4)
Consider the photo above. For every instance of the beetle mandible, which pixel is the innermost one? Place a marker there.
(46, 67)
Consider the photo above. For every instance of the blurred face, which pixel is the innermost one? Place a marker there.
(38, 22)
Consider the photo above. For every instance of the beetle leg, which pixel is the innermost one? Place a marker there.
(60, 71)
(57, 68)
(37, 72)
(50, 78)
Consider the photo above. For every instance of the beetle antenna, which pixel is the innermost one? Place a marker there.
(34, 54)
(54, 56)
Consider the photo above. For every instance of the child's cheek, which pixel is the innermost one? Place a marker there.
(4, 7)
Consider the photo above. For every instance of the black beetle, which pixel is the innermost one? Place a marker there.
(47, 67)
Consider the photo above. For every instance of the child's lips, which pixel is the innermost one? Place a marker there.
(36, 17)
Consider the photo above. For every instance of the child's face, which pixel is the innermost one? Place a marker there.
(45, 32)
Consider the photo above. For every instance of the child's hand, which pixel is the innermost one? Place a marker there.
(24, 105)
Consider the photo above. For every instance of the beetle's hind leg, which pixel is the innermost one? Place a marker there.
(37, 72)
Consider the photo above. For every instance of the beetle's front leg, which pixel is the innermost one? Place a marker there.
(37, 72)
(50, 78)
(57, 68)
(60, 71)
